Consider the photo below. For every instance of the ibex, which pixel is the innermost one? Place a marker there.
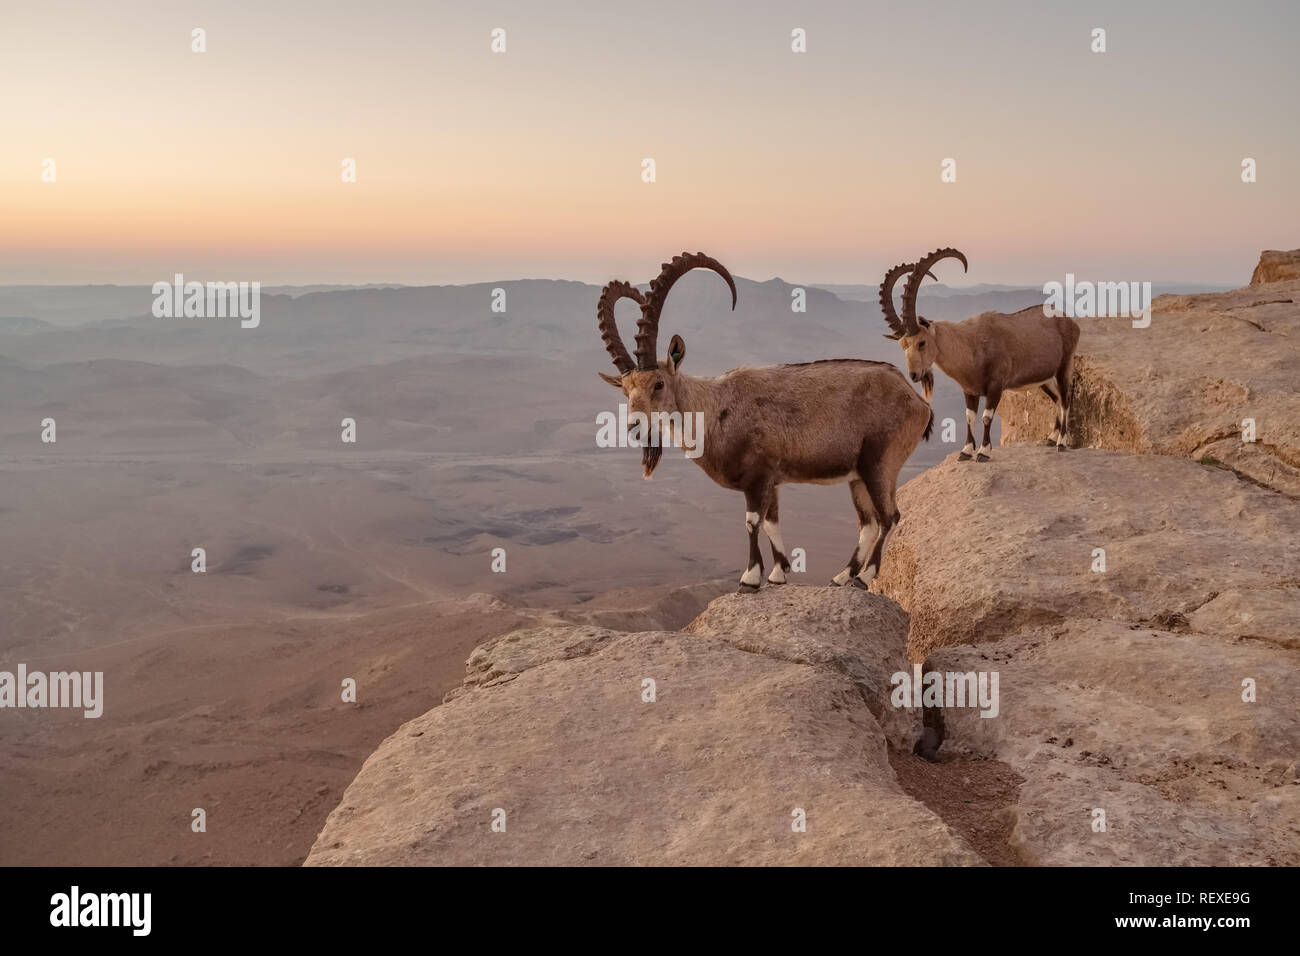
(837, 420)
(986, 355)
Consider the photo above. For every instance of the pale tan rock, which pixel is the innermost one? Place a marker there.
(1185, 385)
(830, 627)
(506, 657)
(1275, 266)
(1272, 616)
(1121, 690)
(1149, 726)
(986, 549)
(1118, 690)
(709, 773)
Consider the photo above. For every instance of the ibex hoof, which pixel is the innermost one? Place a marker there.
(963, 457)
(1062, 447)
(857, 583)
(747, 588)
(982, 457)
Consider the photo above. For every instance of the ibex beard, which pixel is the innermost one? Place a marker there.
(684, 430)
(827, 422)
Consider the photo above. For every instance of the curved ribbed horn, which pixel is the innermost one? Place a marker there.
(887, 297)
(618, 289)
(914, 284)
(647, 330)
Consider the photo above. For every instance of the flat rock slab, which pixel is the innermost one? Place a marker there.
(1150, 727)
(737, 745)
(829, 627)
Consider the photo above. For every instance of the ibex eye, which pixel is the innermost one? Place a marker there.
(920, 345)
(658, 386)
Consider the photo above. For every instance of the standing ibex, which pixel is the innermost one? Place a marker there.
(838, 420)
(986, 355)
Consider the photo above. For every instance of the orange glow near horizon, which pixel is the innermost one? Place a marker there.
(471, 166)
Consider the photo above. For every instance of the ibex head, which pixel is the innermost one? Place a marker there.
(649, 383)
(913, 332)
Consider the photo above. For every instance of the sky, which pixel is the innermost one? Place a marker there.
(471, 165)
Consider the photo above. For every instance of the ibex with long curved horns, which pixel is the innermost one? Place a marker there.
(986, 355)
(838, 420)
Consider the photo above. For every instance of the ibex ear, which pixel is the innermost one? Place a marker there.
(925, 323)
(676, 352)
(895, 336)
(616, 382)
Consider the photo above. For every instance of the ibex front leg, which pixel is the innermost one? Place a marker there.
(972, 413)
(990, 409)
(757, 501)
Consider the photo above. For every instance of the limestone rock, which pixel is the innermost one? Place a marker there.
(829, 627)
(1275, 266)
(1121, 690)
(1149, 726)
(985, 549)
(1185, 385)
(712, 771)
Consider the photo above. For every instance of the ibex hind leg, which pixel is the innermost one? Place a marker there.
(1063, 382)
(772, 528)
(868, 530)
(881, 481)
(1050, 390)
(757, 502)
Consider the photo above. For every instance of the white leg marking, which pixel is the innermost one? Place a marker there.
(867, 535)
(866, 541)
(867, 574)
(773, 532)
(970, 418)
(751, 520)
(752, 576)
(968, 448)
(842, 578)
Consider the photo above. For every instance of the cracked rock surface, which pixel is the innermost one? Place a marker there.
(747, 727)
(1120, 690)
(1183, 386)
